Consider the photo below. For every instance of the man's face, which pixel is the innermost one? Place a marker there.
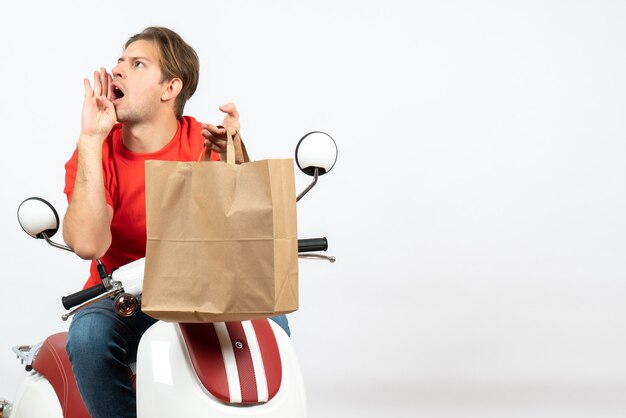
(137, 85)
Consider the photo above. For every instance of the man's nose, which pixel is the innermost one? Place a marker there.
(118, 71)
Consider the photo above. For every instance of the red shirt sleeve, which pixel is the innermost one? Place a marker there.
(70, 175)
(70, 178)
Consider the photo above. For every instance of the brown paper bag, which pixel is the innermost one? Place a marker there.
(222, 241)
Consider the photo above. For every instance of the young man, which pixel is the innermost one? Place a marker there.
(105, 185)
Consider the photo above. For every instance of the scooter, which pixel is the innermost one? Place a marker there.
(232, 369)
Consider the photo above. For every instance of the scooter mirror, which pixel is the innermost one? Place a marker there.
(316, 150)
(38, 218)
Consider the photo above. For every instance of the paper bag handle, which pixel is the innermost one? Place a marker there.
(236, 152)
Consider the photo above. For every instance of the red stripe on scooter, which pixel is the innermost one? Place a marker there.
(271, 356)
(206, 356)
(245, 367)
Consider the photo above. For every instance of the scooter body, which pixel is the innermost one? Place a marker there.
(167, 383)
(36, 398)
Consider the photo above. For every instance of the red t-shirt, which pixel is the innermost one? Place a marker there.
(124, 185)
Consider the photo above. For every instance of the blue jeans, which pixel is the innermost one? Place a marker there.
(101, 345)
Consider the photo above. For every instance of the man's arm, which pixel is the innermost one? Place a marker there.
(87, 222)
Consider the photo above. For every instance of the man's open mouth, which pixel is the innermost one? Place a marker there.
(117, 93)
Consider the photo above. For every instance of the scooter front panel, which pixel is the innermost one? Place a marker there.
(238, 362)
(168, 386)
(207, 358)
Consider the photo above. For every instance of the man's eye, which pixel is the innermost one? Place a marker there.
(139, 64)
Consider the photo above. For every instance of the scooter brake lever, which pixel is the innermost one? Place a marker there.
(330, 258)
(111, 293)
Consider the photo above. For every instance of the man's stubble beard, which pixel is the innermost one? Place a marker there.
(130, 117)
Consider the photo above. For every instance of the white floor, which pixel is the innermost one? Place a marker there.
(506, 400)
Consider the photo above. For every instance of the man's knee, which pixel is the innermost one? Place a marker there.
(90, 334)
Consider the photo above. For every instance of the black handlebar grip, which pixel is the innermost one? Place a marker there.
(77, 298)
(312, 244)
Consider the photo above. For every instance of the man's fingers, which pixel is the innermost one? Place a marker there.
(208, 129)
(97, 84)
(104, 78)
(88, 90)
(214, 137)
(208, 126)
(231, 109)
(103, 103)
(110, 95)
(218, 145)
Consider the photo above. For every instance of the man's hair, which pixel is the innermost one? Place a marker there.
(178, 60)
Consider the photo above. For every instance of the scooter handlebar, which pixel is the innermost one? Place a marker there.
(82, 296)
(70, 301)
(312, 244)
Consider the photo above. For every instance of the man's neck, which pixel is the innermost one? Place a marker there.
(147, 137)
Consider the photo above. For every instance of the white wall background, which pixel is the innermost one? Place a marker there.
(477, 208)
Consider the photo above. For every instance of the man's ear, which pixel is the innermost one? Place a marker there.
(172, 88)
